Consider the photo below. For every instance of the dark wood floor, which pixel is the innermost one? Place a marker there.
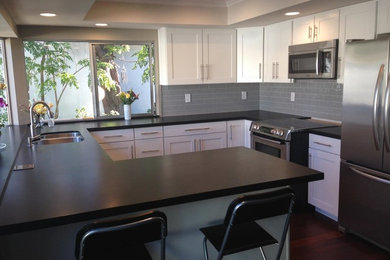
(314, 236)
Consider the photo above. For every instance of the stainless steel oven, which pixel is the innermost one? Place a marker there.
(274, 147)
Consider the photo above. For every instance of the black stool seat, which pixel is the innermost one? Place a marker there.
(242, 237)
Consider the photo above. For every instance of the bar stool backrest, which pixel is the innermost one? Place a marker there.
(136, 230)
(249, 208)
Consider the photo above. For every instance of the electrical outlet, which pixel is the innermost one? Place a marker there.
(243, 95)
(292, 97)
(187, 98)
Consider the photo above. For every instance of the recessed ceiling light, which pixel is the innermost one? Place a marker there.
(47, 14)
(292, 13)
(101, 24)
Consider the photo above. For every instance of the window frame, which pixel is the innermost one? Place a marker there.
(5, 69)
(93, 64)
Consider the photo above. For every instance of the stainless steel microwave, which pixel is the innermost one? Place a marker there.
(313, 60)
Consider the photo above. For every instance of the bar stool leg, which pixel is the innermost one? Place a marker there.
(206, 253)
(262, 253)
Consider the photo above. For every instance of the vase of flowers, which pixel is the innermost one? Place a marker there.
(127, 98)
(3, 112)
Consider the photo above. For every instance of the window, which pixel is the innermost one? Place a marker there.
(121, 67)
(59, 73)
(4, 115)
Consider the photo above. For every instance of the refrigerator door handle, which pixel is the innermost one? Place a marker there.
(386, 112)
(369, 176)
(375, 121)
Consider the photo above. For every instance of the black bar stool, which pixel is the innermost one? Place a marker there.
(240, 232)
(122, 238)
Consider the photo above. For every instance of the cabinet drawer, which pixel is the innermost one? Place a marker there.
(323, 143)
(148, 132)
(192, 129)
(149, 147)
(113, 135)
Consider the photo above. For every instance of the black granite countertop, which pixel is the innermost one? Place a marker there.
(78, 181)
(333, 132)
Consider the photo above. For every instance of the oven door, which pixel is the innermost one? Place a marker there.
(277, 148)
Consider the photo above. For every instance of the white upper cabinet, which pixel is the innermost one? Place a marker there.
(277, 38)
(357, 22)
(195, 56)
(250, 54)
(316, 28)
(383, 25)
(180, 56)
(219, 55)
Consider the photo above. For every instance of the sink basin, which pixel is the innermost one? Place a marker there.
(60, 138)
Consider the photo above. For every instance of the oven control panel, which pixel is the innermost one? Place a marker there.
(279, 133)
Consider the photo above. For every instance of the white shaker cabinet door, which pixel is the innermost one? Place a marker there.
(277, 38)
(180, 56)
(324, 194)
(211, 142)
(250, 54)
(383, 25)
(357, 22)
(149, 147)
(326, 26)
(303, 30)
(219, 55)
(179, 144)
(235, 133)
(119, 150)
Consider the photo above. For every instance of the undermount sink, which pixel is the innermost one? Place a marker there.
(60, 138)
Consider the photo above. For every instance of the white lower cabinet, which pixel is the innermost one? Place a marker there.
(324, 156)
(235, 133)
(119, 150)
(211, 142)
(179, 144)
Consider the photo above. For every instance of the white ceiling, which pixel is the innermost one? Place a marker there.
(157, 13)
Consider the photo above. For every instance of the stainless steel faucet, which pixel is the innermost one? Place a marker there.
(33, 137)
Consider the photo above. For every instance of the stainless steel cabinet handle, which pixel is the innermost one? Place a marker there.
(200, 145)
(376, 104)
(231, 132)
(116, 148)
(372, 177)
(207, 72)
(202, 72)
(273, 70)
(195, 145)
(309, 32)
(149, 133)
(259, 70)
(277, 70)
(150, 151)
(132, 151)
(268, 140)
(315, 33)
(197, 129)
(112, 136)
(317, 62)
(386, 112)
(323, 144)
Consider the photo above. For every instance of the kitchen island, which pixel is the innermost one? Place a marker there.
(41, 209)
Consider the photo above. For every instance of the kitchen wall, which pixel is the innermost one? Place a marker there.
(316, 98)
(211, 98)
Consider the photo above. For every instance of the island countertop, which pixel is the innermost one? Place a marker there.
(51, 195)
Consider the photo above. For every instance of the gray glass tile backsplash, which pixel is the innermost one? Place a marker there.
(316, 98)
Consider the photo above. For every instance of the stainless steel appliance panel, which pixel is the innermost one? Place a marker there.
(386, 115)
(362, 134)
(277, 148)
(364, 203)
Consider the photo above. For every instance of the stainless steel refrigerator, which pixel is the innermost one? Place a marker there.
(364, 206)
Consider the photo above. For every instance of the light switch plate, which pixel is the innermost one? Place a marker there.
(187, 98)
(243, 95)
(292, 97)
